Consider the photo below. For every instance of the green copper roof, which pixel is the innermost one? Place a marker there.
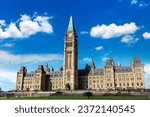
(71, 24)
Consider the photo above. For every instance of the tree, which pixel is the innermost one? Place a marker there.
(88, 94)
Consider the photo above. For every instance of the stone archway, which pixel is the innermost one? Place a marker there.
(68, 86)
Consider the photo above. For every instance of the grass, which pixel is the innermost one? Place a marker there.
(79, 98)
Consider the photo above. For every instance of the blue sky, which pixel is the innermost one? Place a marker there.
(32, 33)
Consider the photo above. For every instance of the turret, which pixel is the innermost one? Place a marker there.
(40, 68)
(109, 74)
(20, 78)
(47, 68)
(138, 73)
(92, 66)
(51, 69)
(109, 63)
(136, 62)
(42, 76)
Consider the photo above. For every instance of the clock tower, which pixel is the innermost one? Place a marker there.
(70, 72)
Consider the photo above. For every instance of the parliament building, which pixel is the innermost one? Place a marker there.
(69, 77)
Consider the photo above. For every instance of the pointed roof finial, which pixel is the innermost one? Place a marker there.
(71, 24)
(92, 63)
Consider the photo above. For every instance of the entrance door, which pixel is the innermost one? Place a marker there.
(67, 86)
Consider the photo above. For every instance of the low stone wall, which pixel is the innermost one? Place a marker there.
(34, 94)
(79, 93)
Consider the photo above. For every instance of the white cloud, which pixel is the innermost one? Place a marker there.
(25, 27)
(143, 4)
(99, 48)
(6, 57)
(2, 23)
(147, 73)
(84, 32)
(134, 2)
(8, 75)
(138, 3)
(112, 30)
(7, 45)
(105, 58)
(87, 59)
(147, 69)
(129, 39)
(146, 35)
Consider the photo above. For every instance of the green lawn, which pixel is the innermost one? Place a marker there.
(80, 98)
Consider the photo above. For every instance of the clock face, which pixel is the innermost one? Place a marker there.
(70, 35)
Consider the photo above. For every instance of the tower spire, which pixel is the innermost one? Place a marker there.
(92, 64)
(71, 24)
(70, 71)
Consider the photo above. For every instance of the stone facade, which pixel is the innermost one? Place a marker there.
(111, 76)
